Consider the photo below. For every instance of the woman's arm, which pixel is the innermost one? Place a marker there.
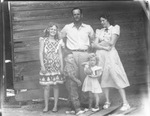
(101, 46)
(115, 35)
(96, 43)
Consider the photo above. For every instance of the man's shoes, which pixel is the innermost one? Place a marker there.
(125, 107)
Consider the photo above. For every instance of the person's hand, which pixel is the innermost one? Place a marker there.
(61, 71)
(79, 83)
(43, 70)
(108, 48)
(94, 45)
(91, 76)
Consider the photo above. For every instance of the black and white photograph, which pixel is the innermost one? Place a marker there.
(75, 58)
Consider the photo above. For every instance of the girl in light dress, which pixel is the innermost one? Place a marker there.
(114, 75)
(91, 83)
(51, 64)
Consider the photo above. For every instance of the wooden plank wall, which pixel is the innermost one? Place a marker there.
(29, 19)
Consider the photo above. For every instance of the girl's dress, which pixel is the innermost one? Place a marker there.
(52, 63)
(113, 71)
(92, 84)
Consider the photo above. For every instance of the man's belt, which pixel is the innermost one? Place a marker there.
(79, 50)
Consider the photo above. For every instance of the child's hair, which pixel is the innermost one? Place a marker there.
(93, 55)
(46, 31)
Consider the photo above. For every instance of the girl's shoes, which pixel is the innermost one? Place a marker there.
(80, 112)
(106, 105)
(125, 107)
(45, 110)
(54, 110)
(70, 112)
(95, 109)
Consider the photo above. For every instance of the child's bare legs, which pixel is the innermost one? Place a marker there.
(56, 96)
(46, 97)
(96, 95)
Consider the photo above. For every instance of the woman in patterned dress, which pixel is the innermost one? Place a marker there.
(51, 64)
(114, 75)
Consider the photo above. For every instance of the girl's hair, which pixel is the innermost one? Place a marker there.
(93, 55)
(46, 31)
(108, 17)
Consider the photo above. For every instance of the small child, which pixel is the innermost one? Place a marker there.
(72, 82)
(91, 83)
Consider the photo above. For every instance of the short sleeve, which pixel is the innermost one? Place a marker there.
(91, 32)
(64, 30)
(97, 33)
(41, 39)
(116, 30)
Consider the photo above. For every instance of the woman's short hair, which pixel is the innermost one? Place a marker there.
(108, 17)
(46, 30)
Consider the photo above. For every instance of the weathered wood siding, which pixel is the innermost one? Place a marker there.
(29, 19)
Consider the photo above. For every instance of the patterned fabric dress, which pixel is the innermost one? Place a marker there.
(114, 74)
(52, 63)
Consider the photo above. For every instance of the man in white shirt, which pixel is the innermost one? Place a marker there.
(79, 37)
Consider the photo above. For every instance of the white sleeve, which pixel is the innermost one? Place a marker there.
(91, 32)
(64, 30)
(41, 39)
(116, 30)
(97, 33)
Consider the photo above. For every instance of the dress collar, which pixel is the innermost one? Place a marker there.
(108, 28)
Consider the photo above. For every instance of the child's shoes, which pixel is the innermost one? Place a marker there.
(70, 112)
(80, 112)
(106, 105)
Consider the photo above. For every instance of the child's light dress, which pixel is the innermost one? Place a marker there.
(92, 84)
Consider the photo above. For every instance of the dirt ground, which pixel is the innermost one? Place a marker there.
(137, 96)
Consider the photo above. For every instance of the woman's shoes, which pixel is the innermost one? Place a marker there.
(44, 110)
(106, 105)
(125, 107)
